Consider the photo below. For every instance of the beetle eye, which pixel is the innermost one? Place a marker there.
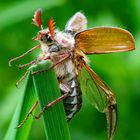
(45, 37)
(49, 39)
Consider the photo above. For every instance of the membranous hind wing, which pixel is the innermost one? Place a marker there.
(100, 96)
(104, 40)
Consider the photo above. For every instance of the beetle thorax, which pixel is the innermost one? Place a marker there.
(66, 40)
(62, 41)
(63, 44)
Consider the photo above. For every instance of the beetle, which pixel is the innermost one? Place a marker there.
(67, 50)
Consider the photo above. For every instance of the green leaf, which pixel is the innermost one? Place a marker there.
(45, 85)
(47, 90)
(26, 101)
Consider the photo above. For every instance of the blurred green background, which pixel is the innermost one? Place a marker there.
(121, 71)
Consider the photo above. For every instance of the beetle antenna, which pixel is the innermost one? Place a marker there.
(37, 20)
(51, 27)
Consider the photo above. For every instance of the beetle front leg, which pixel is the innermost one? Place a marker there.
(16, 58)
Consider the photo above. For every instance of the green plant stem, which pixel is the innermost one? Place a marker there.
(26, 100)
(47, 90)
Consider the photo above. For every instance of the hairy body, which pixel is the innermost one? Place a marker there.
(66, 71)
(67, 51)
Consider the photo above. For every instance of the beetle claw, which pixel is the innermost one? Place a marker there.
(112, 120)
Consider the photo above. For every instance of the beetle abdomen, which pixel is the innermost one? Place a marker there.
(73, 102)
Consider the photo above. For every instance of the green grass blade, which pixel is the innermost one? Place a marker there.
(26, 100)
(46, 86)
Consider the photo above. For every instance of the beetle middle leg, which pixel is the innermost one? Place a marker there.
(25, 74)
(28, 64)
(66, 91)
(63, 58)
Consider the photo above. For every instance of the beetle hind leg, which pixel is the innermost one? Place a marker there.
(51, 104)
(28, 114)
(112, 117)
(66, 90)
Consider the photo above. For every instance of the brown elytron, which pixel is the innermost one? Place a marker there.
(104, 40)
(68, 50)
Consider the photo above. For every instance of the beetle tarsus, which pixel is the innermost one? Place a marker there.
(112, 119)
(29, 113)
(22, 78)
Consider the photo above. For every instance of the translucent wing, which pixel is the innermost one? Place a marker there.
(100, 96)
(104, 40)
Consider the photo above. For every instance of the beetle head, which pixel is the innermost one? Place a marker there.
(44, 35)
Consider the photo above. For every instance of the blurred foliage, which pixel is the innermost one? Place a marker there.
(119, 70)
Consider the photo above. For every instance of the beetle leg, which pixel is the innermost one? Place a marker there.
(66, 56)
(66, 91)
(22, 78)
(111, 108)
(27, 64)
(29, 113)
(64, 87)
(16, 58)
(51, 104)
(112, 116)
